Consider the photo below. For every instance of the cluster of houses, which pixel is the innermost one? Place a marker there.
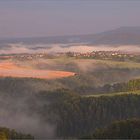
(94, 54)
(99, 54)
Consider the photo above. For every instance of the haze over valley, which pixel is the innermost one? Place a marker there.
(69, 69)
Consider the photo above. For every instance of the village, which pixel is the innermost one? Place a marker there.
(107, 55)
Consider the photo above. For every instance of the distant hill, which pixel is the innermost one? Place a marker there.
(119, 36)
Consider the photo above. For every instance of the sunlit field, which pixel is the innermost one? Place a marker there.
(9, 69)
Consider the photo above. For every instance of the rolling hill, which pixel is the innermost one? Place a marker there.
(119, 36)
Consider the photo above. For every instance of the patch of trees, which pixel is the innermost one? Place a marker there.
(7, 134)
(102, 80)
(131, 85)
(76, 116)
(124, 129)
(72, 115)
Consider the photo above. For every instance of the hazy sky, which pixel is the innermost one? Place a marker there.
(26, 18)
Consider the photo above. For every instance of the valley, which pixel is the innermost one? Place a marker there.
(69, 69)
(67, 96)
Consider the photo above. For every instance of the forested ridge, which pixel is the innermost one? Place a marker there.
(81, 116)
(131, 85)
(61, 113)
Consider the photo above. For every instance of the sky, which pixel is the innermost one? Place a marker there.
(36, 18)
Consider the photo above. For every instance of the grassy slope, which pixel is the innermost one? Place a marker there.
(59, 62)
(137, 92)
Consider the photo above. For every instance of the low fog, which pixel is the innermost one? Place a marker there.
(53, 48)
(18, 115)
